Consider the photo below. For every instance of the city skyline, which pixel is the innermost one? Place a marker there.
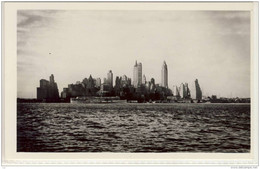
(75, 44)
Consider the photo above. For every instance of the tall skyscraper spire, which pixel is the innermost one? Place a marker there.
(164, 75)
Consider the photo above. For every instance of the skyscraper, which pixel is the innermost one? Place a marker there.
(48, 89)
(110, 78)
(98, 82)
(164, 75)
(135, 78)
(144, 79)
(198, 90)
(137, 74)
(125, 80)
(52, 79)
(182, 91)
(105, 80)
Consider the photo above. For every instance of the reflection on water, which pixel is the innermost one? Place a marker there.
(50, 127)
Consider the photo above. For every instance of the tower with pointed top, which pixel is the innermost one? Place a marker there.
(164, 75)
(137, 80)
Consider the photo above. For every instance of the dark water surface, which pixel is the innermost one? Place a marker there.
(51, 127)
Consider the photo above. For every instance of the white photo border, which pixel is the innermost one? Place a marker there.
(9, 88)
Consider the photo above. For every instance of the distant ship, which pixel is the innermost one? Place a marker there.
(97, 100)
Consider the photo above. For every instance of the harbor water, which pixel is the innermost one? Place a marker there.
(132, 127)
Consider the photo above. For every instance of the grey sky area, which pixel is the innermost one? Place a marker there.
(213, 47)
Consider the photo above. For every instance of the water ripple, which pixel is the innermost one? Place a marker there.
(46, 127)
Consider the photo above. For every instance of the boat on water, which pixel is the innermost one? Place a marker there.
(97, 100)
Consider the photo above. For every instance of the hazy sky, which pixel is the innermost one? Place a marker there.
(213, 47)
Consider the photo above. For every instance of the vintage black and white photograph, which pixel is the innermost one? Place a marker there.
(131, 81)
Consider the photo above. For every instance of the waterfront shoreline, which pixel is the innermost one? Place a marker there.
(127, 102)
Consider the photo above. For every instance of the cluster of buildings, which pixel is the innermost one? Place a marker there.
(139, 88)
(123, 87)
(183, 91)
(87, 87)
